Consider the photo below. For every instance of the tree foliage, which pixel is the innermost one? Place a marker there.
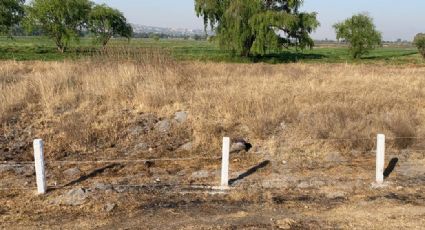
(361, 34)
(258, 26)
(62, 20)
(106, 22)
(419, 41)
(11, 13)
(155, 37)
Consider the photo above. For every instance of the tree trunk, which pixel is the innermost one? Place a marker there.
(245, 53)
(105, 39)
(59, 44)
(105, 42)
(422, 51)
(61, 49)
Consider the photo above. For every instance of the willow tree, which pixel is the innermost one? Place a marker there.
(258, 26)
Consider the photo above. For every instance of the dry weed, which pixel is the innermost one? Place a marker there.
(84, 105)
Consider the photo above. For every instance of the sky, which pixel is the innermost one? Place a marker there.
(394, 18)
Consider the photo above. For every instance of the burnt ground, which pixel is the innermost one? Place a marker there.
(263, 195)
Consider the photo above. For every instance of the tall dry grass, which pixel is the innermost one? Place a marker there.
(87, 105)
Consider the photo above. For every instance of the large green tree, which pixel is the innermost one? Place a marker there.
(419, 42)
(11, 13)
(258, 26)
(360, 33)
(62, 20)
(106, 22)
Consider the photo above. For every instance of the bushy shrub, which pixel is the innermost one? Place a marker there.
(419, 41)
(360, 33)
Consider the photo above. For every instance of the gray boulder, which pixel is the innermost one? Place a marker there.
(163, 126)
(72, 172)
(239, 145)
(73, 197)
(186, 147)
(109, 207)
(181, 117)
(142, 147)
(102, 186)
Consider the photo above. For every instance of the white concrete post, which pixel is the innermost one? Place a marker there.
(225, 163)
(380, 158)
(39, 167)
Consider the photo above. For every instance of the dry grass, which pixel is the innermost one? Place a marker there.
(86, 106)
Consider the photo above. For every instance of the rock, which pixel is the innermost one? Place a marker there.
(186, 147)
(5, 168)
(303, 185)
(336, 195)
(240, 145)
(317, 183)
(144, 124)
(72, 172)
(76, 196)
(142, 147)
(286, 223)
(200, 174)
(181, 117)
(136, 131)
(121, 189)
(102, 187)
(181, 173)
(375, 185)
(163, 126)
(109, 207)
(73, 197)
(237, 147)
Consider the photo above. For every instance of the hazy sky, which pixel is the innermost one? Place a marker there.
(394, 18)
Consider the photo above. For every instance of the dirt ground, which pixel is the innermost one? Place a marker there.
(266, 195)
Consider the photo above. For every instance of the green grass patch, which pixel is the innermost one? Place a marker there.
(42, 48)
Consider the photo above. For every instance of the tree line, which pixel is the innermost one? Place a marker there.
(64, 20)
(244, 27)
(256, 27)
